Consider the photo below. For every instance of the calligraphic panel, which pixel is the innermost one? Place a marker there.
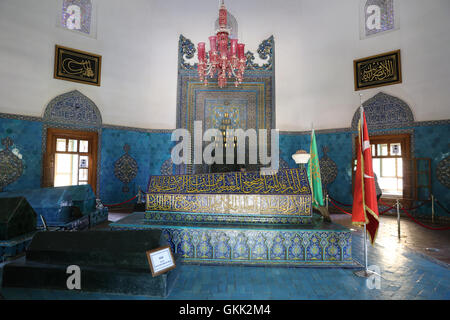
(78, 66)
(231, 204)
(283, 182)
(380, 70)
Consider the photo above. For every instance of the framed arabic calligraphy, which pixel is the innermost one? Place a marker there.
(78, 66)
(376, 71)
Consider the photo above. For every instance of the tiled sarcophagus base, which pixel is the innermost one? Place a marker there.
(111, 262)
(319, 244)
(189, 217)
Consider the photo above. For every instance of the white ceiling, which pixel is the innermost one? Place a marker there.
(315, 42)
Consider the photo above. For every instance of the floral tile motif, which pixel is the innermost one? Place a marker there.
(328, 169)
(167, 168)
(443, 171)
(225, 244)
(11, 165)
(126, 168)
(265, 52)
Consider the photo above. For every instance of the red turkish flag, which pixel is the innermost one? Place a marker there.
(365, 206)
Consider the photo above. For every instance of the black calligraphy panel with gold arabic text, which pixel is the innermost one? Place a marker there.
(78, 66)
(376, 71)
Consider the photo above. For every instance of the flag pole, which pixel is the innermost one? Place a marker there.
(361, 109)
(363, 273)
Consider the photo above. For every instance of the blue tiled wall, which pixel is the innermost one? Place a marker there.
(27, 137)
(149, 150)
(433, 142)
(339, 150)
(429, 142)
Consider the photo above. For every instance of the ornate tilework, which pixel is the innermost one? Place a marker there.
(77, 10)
(387, 17)
(167, 168)
(328, 169)
(186, 51)
(11, 165)
(283, 164)
(265, 51)
(257, 90)
(241, 218)
(228, 244)
(73, 108)
(126, 168)
(384, 111)
(443, 172)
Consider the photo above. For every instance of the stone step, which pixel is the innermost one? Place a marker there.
(21, 276)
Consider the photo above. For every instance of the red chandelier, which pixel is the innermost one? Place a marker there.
(226, 56)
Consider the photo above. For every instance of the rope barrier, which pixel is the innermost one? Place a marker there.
(342, 204)
(384, 204)
(118, 204)
(388, 209)
(339, 208)
(421, 224)
(403, 209)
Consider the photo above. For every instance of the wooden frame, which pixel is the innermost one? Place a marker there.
(78, 66)
(148, 253)
(405, 141)
(49, 157)
(379, 70)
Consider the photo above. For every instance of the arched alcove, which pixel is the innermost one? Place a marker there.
(73, 108)
(73, 111)
(384, 111)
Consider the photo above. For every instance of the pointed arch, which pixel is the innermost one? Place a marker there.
(384, 111)
(73, 108)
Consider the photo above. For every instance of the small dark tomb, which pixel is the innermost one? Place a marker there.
(17, 218)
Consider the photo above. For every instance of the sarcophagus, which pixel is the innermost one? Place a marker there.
(231, 196)
(69, 207)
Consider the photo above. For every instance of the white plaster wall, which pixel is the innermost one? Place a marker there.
(316, 43)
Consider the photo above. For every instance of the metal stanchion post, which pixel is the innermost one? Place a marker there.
(139, 195)
(327, 201)
(398, 217)
(432, 208)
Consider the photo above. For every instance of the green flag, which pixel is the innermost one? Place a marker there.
(314, 174)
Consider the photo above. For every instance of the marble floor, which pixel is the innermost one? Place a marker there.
(407, 272)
